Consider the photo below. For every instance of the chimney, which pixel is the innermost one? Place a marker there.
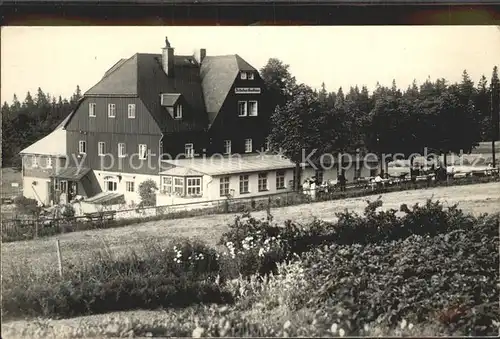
(200, 54)
(167, 58)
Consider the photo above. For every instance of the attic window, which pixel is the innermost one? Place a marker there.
(250, 76)
(189, 150)
(243, 75)
(178, 112)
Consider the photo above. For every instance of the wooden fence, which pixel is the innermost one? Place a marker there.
(25, 229)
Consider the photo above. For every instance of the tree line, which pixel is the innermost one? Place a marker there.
(23, 123)
(442, 116)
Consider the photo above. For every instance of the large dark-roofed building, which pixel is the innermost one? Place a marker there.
(150, 107)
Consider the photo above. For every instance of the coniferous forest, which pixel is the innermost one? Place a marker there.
(437, 114)
(25, 122)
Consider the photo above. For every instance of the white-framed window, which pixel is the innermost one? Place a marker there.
(143, 151)
(121, 150)
(193, 186)
(34, 161)
(227, 146)
(110, 184)
(166, 185)
(250, 76)
(242, 108)
(111, 110)
(179, 186)
(253, 109)
(92, 109)
(178, 112)
(131, 111)
(262, 182)
(243, 75)
(189, 150)
(101, 148)
(82, 147)
(49, 162)
(248, 146)
(280, 179)
(244, 184)
(224, 186)
(130, 186)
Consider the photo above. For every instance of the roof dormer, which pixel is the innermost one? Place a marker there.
(169, 99)
(173, 104)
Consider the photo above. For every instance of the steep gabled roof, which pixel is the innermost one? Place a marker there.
(152, 81)
(114, 67)
(203, 88)
(120, 80)
(243, 65)
(52, 144)
(218, 74)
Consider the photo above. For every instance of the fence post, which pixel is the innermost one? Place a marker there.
(59, 259)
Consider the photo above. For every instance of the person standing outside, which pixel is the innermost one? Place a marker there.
(342, 180)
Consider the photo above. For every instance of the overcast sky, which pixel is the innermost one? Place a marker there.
(58, 58)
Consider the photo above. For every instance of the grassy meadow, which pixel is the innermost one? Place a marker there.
(382, 269)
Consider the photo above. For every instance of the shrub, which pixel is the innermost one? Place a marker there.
(171, 277)
(252, 246)
(27, 206)
(256, 246)
(444, 280)
(323, 279)
(67, 211)
(147, 193)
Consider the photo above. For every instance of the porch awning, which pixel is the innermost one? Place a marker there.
(105, 198)
(71, 173)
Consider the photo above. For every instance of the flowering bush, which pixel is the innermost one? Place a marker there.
(256, 246)
(194, 257)
(252, 246)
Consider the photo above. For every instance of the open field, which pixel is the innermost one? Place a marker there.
(76, 247)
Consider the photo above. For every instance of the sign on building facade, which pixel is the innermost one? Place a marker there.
(247, 90)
